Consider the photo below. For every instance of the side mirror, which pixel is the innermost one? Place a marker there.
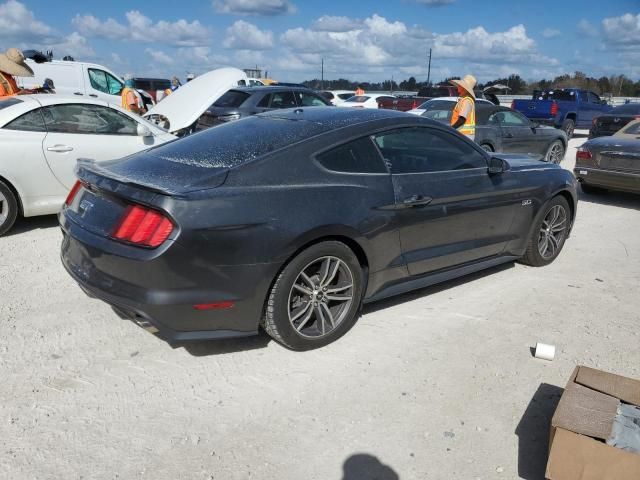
(535, 125)
(496, 166)
(143, 131)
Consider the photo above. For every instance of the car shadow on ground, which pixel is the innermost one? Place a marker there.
(416, 294)
(533, 432)
(362, 466)
(207, 348)
(611, 198)
(28, 224)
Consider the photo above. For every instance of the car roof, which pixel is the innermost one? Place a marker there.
(332, 117)
(484, 110)
(270, 88)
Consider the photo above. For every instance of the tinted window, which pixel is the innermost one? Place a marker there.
(308, 99)
(7, 102)
(88, 119)
(359, 156)
(283, 100)
(264, 103)
(233, 99)
(345, 96)
(633, 129)
(358, 99)
(627, 109)
(143, 84)
(29, 122)
(593, 98)
(560, 95)
(422, 150)
(508, 118)
(104, 82)
(327, 95)
(437, 105)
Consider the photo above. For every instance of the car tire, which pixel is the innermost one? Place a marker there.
(8, 208)
(548, 234)
(316, 298)
(591, 190)
(555, 152)
(487, 147)
(568, 127)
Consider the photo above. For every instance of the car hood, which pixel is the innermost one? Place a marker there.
(614, 143)
(185, 105)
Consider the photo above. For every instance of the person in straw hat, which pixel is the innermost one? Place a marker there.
(464, 113)
(12, 64)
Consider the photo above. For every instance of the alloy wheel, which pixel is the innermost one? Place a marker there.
(552, 232)
(4, 209)
(556, 153)
(321, 297)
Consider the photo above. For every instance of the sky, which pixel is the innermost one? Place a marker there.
(362, 41)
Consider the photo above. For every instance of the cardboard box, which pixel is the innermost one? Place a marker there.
(582, 423)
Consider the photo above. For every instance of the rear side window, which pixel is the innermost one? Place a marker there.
(345, 96)
(88, 120)
(7, 102)
(358, 156)
(559, 95)
(29, 122)
(327, 95)
(308, 99)
(283, 100)
(231, 99)
(633, 129)
(425, 150)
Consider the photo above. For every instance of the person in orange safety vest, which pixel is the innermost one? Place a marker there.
(12, 64)
(464, 113)
(131, 99)
(359, 91)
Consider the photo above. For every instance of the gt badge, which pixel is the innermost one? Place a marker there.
(526, 202)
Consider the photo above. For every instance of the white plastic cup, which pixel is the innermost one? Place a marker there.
(545, 351)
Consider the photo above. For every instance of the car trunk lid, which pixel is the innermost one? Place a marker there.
(613, 153)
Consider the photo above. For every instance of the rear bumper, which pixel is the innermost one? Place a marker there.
(156, 295)
(610, 179)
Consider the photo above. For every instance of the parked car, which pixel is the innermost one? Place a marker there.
(242, 102)
(630, 131)
(565, 108)
(152, 86)
(179, 112)
(441, 104)
(337, 96)
(41, 138)
(406, 103)
(368, 100)
(501, 129)
(609, 123)
(206, 236)
(609, 163)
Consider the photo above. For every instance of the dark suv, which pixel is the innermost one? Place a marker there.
(245, 101)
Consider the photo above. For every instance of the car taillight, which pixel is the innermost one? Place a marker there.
(554, 108)
(414, 105)
(594, 121)
(143, 226)
(513, 105)
(73, 193)
(583, 154)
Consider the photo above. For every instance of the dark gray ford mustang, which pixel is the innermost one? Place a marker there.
(292, 219)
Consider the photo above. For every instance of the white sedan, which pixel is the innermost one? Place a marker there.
(41, 139)
(441, 103)
(367, 100)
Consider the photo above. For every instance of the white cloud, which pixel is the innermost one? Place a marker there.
(17, 23)
(585, 27)
(75, 45)
(159, 56)
(623, 30)
(142, 29)
(246, 36)
(328, 23)
(254, 7)
(551, 33)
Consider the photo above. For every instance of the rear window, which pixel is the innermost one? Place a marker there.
(228, 145)
(358, 156)
(627, 109)
(359, 99)
(437, 105)
(345, 96)
(327, 95)
(7, 102)
(559, 95)
(233, 98)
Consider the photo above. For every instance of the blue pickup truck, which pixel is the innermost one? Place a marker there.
(564, 108)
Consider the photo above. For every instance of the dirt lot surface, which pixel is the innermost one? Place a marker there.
(437, 384)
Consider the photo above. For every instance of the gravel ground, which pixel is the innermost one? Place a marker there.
(436, 384)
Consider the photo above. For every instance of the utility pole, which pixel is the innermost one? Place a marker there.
(429, 70)
(322, 75)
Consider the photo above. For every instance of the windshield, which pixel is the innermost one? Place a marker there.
(7, 102)
(358, 99)
(437, 105)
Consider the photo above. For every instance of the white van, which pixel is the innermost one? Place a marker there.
(76, 78)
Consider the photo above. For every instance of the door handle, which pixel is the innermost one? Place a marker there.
(78, 93)
(93, 95)
(417, 201)
(508, 135)
(59, 148)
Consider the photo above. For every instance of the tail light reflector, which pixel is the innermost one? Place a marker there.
(73, 192)
(224, 305)
(554, 108)
(143, 226)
